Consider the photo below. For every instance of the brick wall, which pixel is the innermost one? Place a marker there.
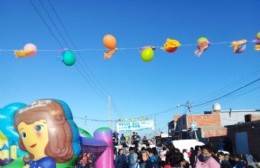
(176, 117)
(205, 120)
(255, 117)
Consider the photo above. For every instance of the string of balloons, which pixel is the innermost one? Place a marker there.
(147, 52)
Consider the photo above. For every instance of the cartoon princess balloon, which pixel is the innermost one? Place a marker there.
(44, 133)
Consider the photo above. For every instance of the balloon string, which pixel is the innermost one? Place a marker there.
(102, 49)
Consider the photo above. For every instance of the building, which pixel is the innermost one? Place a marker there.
(201, 126)
(231, 117)
(246, 136)
(171, 128)
(212, 126)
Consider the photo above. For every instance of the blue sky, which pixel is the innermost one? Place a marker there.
(136, 88)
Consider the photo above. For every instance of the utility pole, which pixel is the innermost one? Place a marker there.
(109, 112)
(85, 121)
(155, 129)
(192, 123)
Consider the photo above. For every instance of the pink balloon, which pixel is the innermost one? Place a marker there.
(30, 49)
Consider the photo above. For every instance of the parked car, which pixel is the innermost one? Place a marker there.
(186, 144)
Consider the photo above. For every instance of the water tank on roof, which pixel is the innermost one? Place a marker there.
(216, 107)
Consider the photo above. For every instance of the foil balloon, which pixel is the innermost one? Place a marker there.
(47, 132)
(147, 54)
(109, 53)
(257, 42)
(239, 46)
(202, 45)
(171, 45)
(68, 58)
(28, 50)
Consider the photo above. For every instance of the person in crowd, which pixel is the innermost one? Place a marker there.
(115, 138)
(125, 150)
(145, 161)
(153, 157)
(133, 138)
(144, 141)
(227, 157)
(162, 155)
(250, 160)
(192, 157)
(214, 153)
(177, 158)
(155, 152)
(205, 159)
(197, 151)
(184, 164)
(121, 160)
(239, 162)
(186, 155)
(115, 152)
(85, 161)
(132, 158)
(221, 159)
(122, 140)
(137, 139)
(166, 164)
(228, 160)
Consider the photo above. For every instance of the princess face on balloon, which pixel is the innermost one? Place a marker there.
(44, 134)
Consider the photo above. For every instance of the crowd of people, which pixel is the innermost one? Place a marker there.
(168, 156)
(171, 157)
(131, 155)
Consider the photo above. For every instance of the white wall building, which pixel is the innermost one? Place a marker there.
(232, 117)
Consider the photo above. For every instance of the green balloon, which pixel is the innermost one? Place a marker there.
(258, 35)
(147, 54)
(68, 58)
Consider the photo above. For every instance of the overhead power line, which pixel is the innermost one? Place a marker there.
(45, 23)
(227, 94)
(81, 66)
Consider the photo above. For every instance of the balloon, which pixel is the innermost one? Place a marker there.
(239, 46)
(68, 58)
(202, 39)
(147, 54)
(109, 53)
(258, 35)
(51, 115)
(257, 42)
(241, 49)
(202, 45)
(109, 41)
(20, 53)
(30, 48)
(171, 45)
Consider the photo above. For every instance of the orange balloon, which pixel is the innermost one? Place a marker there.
(109, 41)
